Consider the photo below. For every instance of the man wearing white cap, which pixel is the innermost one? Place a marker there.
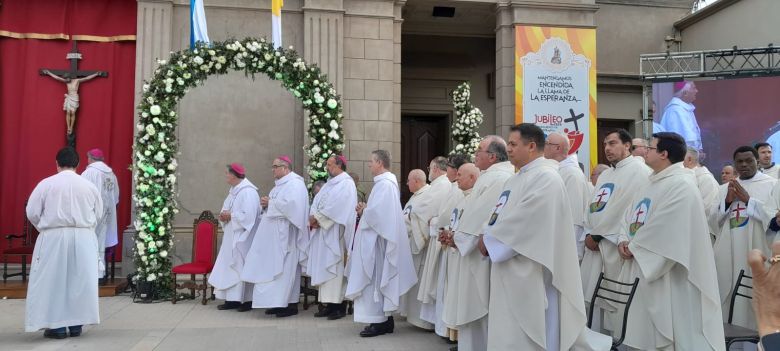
(101, 175)
(239, 218)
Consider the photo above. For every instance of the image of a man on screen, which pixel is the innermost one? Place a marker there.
(678, 115)
(765, 164)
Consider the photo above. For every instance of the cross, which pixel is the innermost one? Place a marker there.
(72, 78)
(601, 195)
(638, 213)
(574, 119)
(738, 210)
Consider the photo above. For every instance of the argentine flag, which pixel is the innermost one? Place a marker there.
(198, 30)
(276, 22)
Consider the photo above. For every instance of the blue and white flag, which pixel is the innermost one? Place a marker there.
(198, 30)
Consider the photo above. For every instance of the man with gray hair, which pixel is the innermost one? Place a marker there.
(104, 179)
(639, 148)
(708, 186)
(380, 267)
(556, 148)
(678, 116)
(474, 274)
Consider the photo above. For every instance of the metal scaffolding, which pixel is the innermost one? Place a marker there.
(710, 64)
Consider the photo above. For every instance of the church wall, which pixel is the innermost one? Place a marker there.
(745, 24)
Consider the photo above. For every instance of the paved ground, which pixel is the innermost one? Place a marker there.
(188, 325)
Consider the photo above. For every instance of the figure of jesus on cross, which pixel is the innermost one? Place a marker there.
(72, 79)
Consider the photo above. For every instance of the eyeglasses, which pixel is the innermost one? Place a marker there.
(551, 144)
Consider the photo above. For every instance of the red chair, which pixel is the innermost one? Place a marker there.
(204, 252)
(28, 236)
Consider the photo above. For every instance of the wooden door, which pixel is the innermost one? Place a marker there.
(422, 139)
(605, 126)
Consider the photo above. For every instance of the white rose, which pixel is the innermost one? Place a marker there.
(155, 110)
(333, 135)
(151, 277)
(334, 124)
(163, 254)
(140, 246)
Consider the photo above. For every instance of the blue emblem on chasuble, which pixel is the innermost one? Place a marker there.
(502, 200)
(601, 197)
(738, 217)
(455, 217)
(408, 211)
(639, 216)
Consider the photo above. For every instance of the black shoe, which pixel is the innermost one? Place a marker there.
(74, 331)
(373, 329)
(274, 310)
(291, 310)
(337, 314)
(325, 312)
(229, 305)
(58, 333)
(246, 306)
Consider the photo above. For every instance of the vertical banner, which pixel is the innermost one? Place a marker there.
(555, 84)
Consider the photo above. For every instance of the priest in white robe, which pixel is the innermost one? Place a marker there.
(666, 241)
(63, 288)
(332, 219)
(431, 286)
(474, 272)
(705, 181)
(104, 179)
(529, 238)
(467, 176)
(239, 219)
(765, 163)
(418, 213)
(556, 148)
(280, 247)
(380, 267)
(740, 219)
(614, 191)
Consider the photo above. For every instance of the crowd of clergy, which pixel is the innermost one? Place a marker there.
(500, 250)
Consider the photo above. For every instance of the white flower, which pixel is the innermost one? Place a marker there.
(315, 149)
(333, 135)
(282, 59)
(139, 246)
(146, 87)
(212, 52)
(150, 100)
(322, 131)
(155, 110)
(316, 82)
(218, 66)
(163, 254)
(187, 75)
(221, 59)
(151, 245)
(332, 103)
(168, 89)
(143, 258)
(334, 124)
(459, 147)
(318, 98)
(151, 277)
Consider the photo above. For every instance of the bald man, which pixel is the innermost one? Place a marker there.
(639, 148)
(594, 175)
(727, 174)
(557, 148)
(418, 212)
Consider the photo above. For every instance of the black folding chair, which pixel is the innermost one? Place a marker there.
(735, 333)
(629, 296)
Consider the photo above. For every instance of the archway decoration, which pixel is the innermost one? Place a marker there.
(156, 147)
(466, 123)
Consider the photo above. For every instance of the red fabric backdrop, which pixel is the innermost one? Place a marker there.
(32, 122)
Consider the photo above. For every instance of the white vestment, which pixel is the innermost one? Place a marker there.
(380, 267)
(773, 171)
(615, 189)
(679, 118)
(63, 286)
(530, 239)
(708, 187)
(579, 196)
(677, 301)
(243, 204)
(99, 174)
(431, 288)
(272, 263)
(421, 208)
(474, 272)
(450, 313)
(334, 209)
(740, 228)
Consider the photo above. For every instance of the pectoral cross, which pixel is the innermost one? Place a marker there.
(72, 78)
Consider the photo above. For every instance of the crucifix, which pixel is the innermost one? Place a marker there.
(574, 119)
(72, 78)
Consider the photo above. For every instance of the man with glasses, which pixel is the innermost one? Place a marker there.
(639, 148)
(275, 259)
(557, 148)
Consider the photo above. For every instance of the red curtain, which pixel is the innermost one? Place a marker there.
(32, 121)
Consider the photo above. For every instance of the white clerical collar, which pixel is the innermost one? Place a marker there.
(756, 178)
(100, 166)
(441, 179)
(243, 184)
(625, 161)
(423, 189)
(338, 178)
(467, 192)
(683, 104)
(286, 178)
(673, 169)
(498, 165)
(570, 161)
(386, 175)
(534, 163)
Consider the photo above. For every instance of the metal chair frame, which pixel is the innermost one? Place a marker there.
(629, 298)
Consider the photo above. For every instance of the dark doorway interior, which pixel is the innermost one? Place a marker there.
(605, 126)
(423, 137)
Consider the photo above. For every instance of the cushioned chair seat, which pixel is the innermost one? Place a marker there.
(24, 250)
(193, 268)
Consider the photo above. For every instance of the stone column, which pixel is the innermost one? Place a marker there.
(505, 68)
(323, 38)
